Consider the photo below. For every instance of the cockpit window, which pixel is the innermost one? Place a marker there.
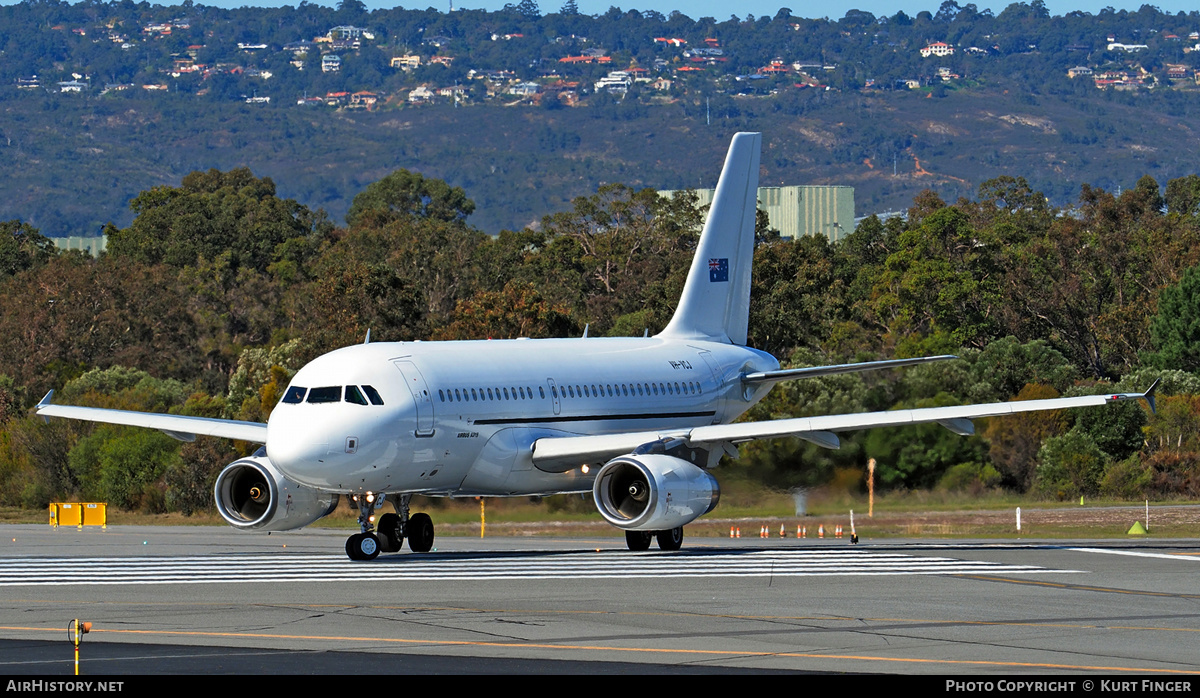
(354, 395)
(373, 394)
(331, 393)
(294, 395)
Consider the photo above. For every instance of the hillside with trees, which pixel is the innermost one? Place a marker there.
(528, 108)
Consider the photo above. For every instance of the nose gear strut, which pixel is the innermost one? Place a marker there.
(392, 528)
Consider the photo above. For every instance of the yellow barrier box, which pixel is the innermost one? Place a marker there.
(79, 514)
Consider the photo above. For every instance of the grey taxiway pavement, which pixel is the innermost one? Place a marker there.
(189, 600)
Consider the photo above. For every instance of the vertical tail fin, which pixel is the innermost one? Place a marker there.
(715, 305)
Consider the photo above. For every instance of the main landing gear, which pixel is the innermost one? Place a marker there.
(671, 539)
(389, 536)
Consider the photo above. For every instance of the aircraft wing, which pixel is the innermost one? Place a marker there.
(564, 453)
(173, 425)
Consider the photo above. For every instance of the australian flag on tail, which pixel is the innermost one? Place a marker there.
(718, 269)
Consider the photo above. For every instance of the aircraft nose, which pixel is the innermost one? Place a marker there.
(299, 448)
(327, 446)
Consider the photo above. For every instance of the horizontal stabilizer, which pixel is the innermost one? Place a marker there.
(788, 374)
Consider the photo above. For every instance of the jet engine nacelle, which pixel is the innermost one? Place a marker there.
(253, 495)
(653, 492)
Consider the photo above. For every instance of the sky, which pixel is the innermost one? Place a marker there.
(721, 10)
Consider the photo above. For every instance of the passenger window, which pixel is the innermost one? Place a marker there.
(331, 393)
(294, 395)
(373, 395)
(353, 395)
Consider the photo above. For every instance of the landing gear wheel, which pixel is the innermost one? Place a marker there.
(638, 540)
(391, 535)
(420, 533)
(362, 546)
(671, 539)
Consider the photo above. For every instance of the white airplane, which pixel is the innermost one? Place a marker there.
(639, 422)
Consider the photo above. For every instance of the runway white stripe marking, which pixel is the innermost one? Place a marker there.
(330, 568)
(1131, 553)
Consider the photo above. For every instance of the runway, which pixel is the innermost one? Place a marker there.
(174, 600)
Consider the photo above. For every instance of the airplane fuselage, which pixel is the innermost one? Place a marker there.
(461, 417)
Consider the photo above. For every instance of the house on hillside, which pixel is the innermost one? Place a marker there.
(420, 95)
(331, 63)
(364, 100)
(406, 62)
(1127, 48)
(938, 48)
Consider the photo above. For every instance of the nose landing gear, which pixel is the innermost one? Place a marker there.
(392, 528)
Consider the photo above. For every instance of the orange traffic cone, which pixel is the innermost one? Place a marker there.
(821, 531)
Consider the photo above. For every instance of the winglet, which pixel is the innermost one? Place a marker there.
(45, 402)
(1148, 396)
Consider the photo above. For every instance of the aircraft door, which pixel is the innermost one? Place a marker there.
(553, 394)
(420, 392)
(718, 383)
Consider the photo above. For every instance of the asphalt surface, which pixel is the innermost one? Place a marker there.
(176, 600)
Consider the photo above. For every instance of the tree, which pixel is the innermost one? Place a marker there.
(794, 295)
(210, 214)
(1175, 330)
(1069, 465)
(1016, 439)
(1183, 195)
(22, 247)
(939, 283)
(408, 194)
(529, 9)
(517, 311)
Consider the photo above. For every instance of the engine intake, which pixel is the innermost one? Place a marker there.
(653, 492)
(252, 495)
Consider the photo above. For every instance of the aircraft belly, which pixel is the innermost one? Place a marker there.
(504, 467)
